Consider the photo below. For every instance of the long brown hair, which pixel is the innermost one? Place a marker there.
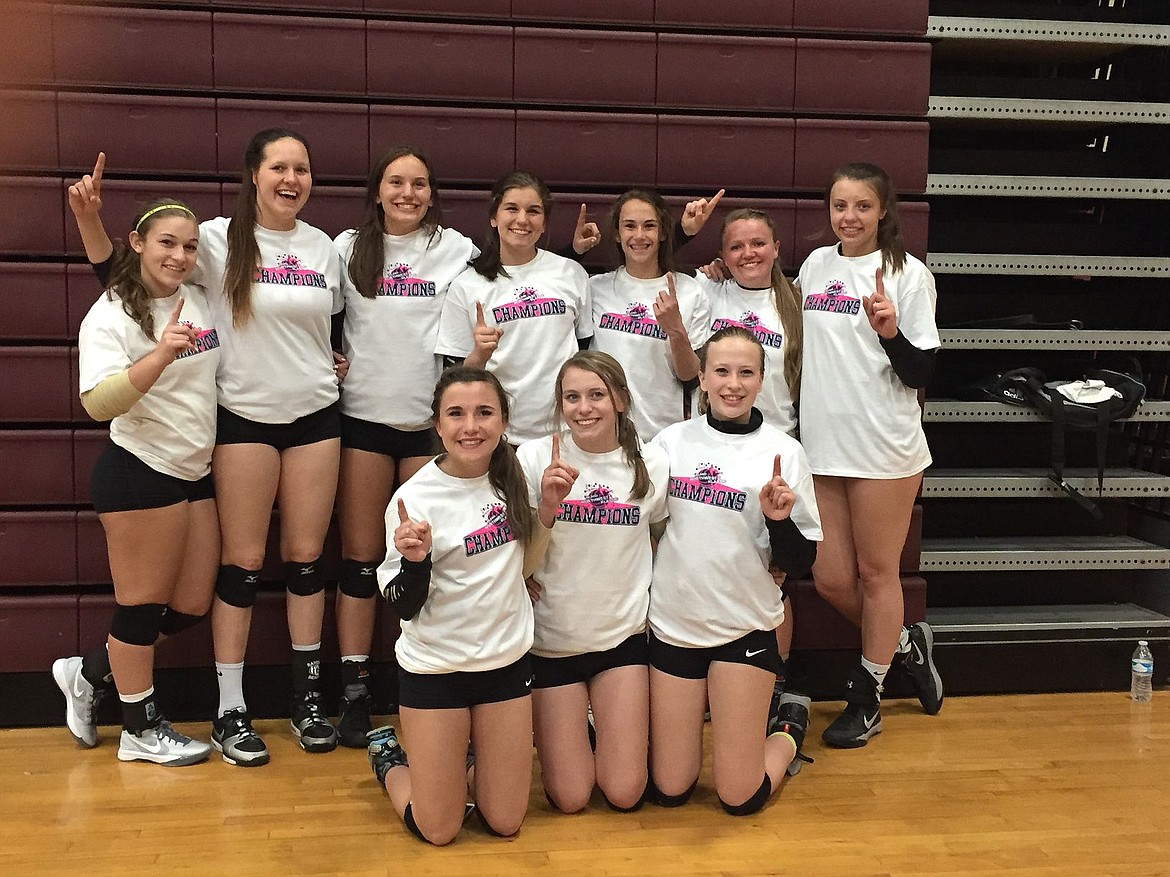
(613, 375)
(367, 258)
(504, 471)
(722, 335)
(786, 299)
(489, 263)
(126, 272)
(889, 236)
(243, 253)
(666, 260)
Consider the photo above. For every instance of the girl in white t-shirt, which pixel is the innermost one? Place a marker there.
(740, 500)
(273, 281)
(759, 298)
(458, 532)
(647, 316)
(522, 311)
(148, 356)
(592, 590)
(869, 342)
(399, 264)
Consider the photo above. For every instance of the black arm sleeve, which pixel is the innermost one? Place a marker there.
(336, 330)
(913, 367)
(792, 553)
(681, 238)
(409, 589)
(103, 270)
(583, 343)
(568, 252)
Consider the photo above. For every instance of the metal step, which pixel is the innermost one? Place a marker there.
(1082, 112)
(1006, 186)
(1041, 552)
(1048, 265)
(1053, 339)
(952, 483)
(995, 625)
(950, 411)
(1043, 32)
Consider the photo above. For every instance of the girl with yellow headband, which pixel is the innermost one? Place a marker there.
(148, 357)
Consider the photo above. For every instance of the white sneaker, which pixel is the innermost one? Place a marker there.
(79, 701)
(162, 745)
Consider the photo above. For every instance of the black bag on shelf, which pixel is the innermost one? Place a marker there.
(1090, 403)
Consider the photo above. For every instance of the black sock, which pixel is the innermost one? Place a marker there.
(306, 671)
(140, 715)
(355, 673)
(95, 667)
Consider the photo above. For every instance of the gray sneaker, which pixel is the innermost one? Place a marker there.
(162, 745)
(233, 737)
(80, 701)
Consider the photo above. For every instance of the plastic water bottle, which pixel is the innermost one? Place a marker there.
(1142, 664)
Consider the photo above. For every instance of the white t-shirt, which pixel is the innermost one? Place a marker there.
(625, 328)
(172, 427)
(711, 580)
(543, 308)
(596, 574)
(477, 615)
(755, 310)
(857, 418)
(390, 339)
(278, 366)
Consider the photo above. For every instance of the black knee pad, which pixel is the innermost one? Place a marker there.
(637, 805)
(664, 800)
(237, 586)
(412, 826)
(174, 622)
(752, 804)
(304, 579)
(487, 826)
(137, 625)
(358, 578)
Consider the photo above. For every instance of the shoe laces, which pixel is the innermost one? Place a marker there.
(237, 724)
(165, 731)
(310, 708)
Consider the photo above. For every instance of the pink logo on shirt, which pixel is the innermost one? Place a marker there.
(600, 506)
(635, 321)
(750, 320)
(205, 339)
(497, 532)
(528, 304)
(705, 488)
(833, 300)
(289, 271)
(400, 281)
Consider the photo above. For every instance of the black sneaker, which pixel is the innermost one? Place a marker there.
(310, 725)
(919, 663)
(233, 737)
(384, 752)
(790, 716)
(862, 717)
(353, 721)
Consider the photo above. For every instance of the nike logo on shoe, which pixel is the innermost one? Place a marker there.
(154, 748)
(918, 657)
(528, 682)
(750, 654)
(868, 721)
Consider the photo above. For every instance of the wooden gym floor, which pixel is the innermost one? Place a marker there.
(1020, 785)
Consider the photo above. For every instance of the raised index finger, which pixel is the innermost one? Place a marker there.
(178, 309)
(581, 217)
(879, 286)
(556, 449)
(776, 467)
(403, 517)
(99, 167)
(715, 200)
(479, 320)
(670, 282)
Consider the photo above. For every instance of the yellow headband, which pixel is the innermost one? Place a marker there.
(153, 210)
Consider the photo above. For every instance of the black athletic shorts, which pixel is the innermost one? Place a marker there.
(120, 482)
(756, 649)
(378, 438)
(231, 429)
(554, 672)
(449, 691)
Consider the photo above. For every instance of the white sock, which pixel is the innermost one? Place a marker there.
(904, 641)
(355, 659)
(309, 648)
(231, 687)
(877, 671)
(136, 698)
